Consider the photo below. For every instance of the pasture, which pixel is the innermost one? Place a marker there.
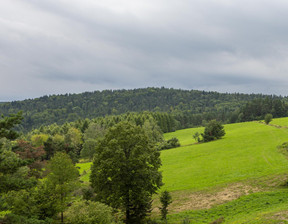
(247, 151)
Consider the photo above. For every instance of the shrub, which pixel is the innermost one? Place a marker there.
(268, 118)
(89, 212)
(214, 130)
(169, 144)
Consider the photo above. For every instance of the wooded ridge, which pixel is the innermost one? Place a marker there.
(189, 107)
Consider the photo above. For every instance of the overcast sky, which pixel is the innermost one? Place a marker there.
(72, 46)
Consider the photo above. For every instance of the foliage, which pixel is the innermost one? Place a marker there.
(196, 136)
(63, 176)
(38, 140)
(13, 170)
(172, 108)
(170, 143)
(8, 123)
(40, 202)
(93, 133)
(258, 108)
(125, 172)
(165, 200)
(89, 212)
(32, 155)
(17, 219)
(214, 130)
(268, 118)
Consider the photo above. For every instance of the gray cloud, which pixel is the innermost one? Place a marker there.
(59, 46)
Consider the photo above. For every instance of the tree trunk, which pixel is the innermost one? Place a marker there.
(62, 217)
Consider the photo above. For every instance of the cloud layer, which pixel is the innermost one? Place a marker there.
(68, 46)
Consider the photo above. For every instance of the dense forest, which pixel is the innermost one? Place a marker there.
(187, 108)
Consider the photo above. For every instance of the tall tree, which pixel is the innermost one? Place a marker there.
(165, 200)
(63, 175)
(125, 171)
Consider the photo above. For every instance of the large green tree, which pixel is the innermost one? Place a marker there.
(125, 171)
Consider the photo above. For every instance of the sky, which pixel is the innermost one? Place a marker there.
(72, 46)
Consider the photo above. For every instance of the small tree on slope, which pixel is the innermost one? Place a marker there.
(214, 130)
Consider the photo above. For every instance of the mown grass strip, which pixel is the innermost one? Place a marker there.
(247, 209)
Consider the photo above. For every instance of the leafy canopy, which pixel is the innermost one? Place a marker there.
(125, 171)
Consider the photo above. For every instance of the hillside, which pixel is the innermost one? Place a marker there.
(248, 150)
(244, 162)
(189, 107)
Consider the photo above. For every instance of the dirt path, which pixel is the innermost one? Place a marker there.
(205, 200)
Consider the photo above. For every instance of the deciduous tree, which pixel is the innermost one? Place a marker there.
(63, 175)
(125, 171)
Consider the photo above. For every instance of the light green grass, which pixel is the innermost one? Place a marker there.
(185, 136)
(247, 151)
(255, 208)
(283, 122)
(84, 170)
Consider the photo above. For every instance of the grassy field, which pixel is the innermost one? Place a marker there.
(283, 122)
(245, 165)
(248, 150)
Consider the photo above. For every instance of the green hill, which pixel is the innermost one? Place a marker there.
(246, 161)
(248, 150)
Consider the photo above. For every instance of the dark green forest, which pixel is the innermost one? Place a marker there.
(183, 108)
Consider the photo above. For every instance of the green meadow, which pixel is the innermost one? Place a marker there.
(247, 155)
(283, 122)
(248, 150)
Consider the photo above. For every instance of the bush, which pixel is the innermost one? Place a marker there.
(18, 219)
(268, 118)
(89, 212)
(214, 130)
(169, 144)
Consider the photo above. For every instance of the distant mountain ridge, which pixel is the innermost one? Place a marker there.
(70, 107)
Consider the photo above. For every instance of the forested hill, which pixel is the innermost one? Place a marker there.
(189, 107)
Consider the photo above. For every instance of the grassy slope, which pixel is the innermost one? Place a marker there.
(248, 150)
(257, 208)
(283, 122)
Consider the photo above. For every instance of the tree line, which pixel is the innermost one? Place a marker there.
(188, 108)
